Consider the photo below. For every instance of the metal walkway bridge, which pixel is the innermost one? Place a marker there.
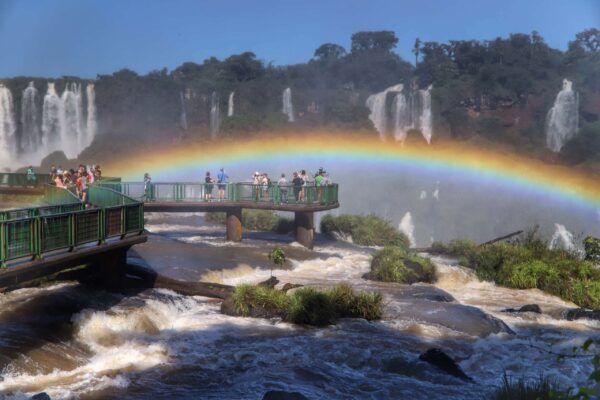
(62, 232)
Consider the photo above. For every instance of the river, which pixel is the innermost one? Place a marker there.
(74, 342)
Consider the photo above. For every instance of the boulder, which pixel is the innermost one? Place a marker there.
(526, 308)
(283, 395)
(444, 362)
(581, 313)
(41, 396)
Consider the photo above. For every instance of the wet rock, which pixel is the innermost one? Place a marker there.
(283, 395)
(581, 313)
(41, 396)
(526, 308)
(271, 282)
(290, 286)
(445, 363)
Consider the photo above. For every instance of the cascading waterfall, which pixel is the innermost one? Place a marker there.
(7, 124)
(51, 119)
(230, 105)
(30, 134)
(408, 111)
(92, 121)
(71, 128)
(426, 116)
(408, 228)
(183, 116)
(288, 107)
(377, 103)
(562, 120)
(214, 115)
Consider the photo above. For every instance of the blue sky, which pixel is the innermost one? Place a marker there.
(51, 38)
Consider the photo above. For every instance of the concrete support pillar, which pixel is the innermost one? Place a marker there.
(305, 228)
(234, 225)
(109, 270)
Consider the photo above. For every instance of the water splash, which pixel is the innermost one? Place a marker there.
(215, 122)
(7, 123)
(562, 239)
(408, 228)
(288, 107)
(31, 138)
(562, 121)
(230, 105)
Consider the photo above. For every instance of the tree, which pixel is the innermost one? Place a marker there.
(415, 50)
(277, 256)
(374, 40)
(330, 51)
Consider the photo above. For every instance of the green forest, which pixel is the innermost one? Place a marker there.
(497, 91)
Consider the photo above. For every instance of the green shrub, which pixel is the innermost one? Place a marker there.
(249, 297)
(522, 389)
(362, 305)
(311, 307)
(256, 220)
(369, 230)
(393, 264)
(307, 306)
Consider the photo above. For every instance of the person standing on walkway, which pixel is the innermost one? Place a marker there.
(208, 186)
(283, 189)
(222, 183)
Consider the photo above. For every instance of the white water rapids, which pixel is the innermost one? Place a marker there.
(74, 342)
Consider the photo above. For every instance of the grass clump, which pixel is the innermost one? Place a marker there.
(522, 389)
(394, 264)
(306, 306)
(256, 220)
(369, 230)
(529, 263)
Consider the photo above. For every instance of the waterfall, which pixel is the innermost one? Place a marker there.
(408, 228)
(214, 115)
(230, 105)
(7, 125)
(51, 119)
(288, 107)
(409, 110)
(30, 134)
(562, 120)
(426, 118)
(92, 121)
(71, 134)
(377, 103)
(183, 117)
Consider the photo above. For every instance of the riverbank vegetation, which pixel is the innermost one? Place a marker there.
(256, 220)
(306, 306)
(529, 263)
(365, 230)
(394, 264)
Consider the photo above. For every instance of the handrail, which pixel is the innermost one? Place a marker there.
(310, 194)
(36, 231)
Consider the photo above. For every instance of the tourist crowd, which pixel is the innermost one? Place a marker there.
(77, 181)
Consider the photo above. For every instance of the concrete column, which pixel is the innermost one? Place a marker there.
(305, 228)
(234, 225)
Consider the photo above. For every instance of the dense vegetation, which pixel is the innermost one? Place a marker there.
(369, 230)
(256, 220)
(531, 264)
(393, 264)
(499, 89)
(307, 306)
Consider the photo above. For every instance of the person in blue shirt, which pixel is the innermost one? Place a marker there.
(222, 183)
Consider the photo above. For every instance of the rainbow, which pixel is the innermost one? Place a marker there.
(505, 168)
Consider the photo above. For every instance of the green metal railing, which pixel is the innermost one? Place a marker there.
(234, 192)
(66, 223)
